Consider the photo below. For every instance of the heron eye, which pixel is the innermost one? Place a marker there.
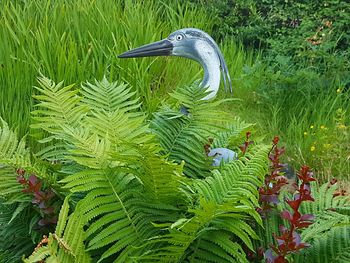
(179, 37)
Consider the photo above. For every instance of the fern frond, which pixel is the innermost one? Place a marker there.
(183, 137)
(329, 235)
(161, 179)
(16, 233)
(12, 150)
(324, 200)
(329, 239)
(58, 106)
(66, 244)
(10, 189)
(128, 184)
(110, 208)
(217, 227)
(124, 182)
(14, 155)
(233, 136)
(109, 96)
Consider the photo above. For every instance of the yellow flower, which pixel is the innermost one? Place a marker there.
(305, 133)
(311, 127)
(313, 148)
(322, 127)
(339, 90)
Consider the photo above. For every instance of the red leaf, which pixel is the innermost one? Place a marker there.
(21, 179)
(34, 184)
(286, 215)
(305, 174)
(280, 259)
(294, 204)
(20, 171)
(333, 181)
(248, 134)
(307, 217)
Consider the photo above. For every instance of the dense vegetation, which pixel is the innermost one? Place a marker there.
(300, 83)
(98, 165)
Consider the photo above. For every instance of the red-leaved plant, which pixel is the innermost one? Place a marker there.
(274, 182)
(42, 199)
(246, 143)
(289, 241)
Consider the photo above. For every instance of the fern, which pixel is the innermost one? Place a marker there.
(16, 231)
(10, 189)
(329, 239)
(324, 200)
(233, 136)
(328, 235)
(131, 198)
(12, 151)
(18, 219)
(183, 137)
(66, 244)
(225, 201)
(122, 173)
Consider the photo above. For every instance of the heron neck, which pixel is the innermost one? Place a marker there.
(211, 64)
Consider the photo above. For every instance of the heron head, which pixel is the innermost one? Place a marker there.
(190, 43)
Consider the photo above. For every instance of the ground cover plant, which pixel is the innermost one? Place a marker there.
(97, 164)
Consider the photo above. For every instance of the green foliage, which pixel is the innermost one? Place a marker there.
(17, 222)
(80, 40)
(66, 244)
(301, 78)
(310, 30)
(329, 239)
(327, 236)
(324, 200)
(183, 137)
(144, 190)
(12, 151)
(132, 201)
(19, 229)
(222, 203)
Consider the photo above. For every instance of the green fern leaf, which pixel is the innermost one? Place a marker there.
(183, 137)
(66, 244)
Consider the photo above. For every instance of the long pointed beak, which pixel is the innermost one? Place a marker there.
(159, 48)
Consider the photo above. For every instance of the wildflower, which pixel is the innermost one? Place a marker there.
(311, 127)
(338, 90)
(305, 133)
(322, 127)
(313, 148)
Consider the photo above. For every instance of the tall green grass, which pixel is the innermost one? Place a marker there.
(309, 111)
(78, 41)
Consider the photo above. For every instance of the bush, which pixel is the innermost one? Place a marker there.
(310, 32)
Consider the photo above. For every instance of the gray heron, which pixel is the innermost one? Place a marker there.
(194, 44)
(197, 45)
